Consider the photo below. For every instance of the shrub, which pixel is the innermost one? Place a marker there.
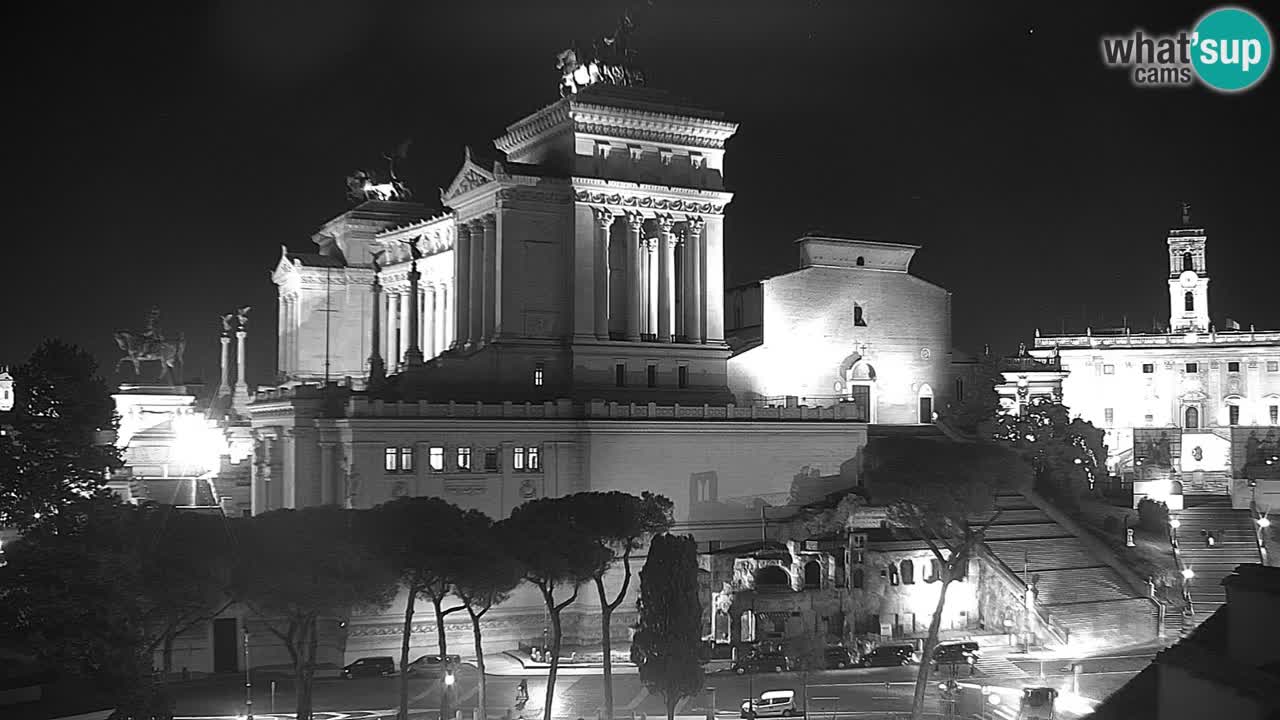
(1153, 515)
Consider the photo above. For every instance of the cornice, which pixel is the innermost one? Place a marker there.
(655, 198)
(650, 125)
(532, 128)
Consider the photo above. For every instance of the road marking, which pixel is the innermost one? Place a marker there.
(639, 698)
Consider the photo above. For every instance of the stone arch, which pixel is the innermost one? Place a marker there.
(860, 261)
(772, 577)
(1188, 261)
(812, 574)
(924, 401)
(1192, 418)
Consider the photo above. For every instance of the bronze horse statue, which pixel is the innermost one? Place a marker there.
(138, 348)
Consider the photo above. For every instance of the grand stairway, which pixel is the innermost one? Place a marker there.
(1076, 589)
(1237, 545)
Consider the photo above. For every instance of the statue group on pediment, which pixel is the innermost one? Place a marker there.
(608, 60)
(363, 185)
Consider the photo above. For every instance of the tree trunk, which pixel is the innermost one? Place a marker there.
(304, 668)
(926, 655)
(443, 645)
(555, 655)
(404, 653)
(606, 646)
(481, 712)
(672, 701)
(166, 654)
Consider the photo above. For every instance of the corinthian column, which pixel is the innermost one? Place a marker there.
(462, 281)
(693, 302)
(651, 285)
(492, 293)
(377, 369)
(635, 291)
(666, 278)
(240, 399)
(475, 310)
(224, 387)
(604, 221)
(413, 353)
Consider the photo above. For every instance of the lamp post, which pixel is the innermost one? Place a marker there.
(248, 679)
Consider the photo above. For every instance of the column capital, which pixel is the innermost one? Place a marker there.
(605, 217)
(666, 223)
(695, 224)
(635, 221)
(488, 221)
(463, 229)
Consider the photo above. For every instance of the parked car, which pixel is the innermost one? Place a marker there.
(774, 703)
(838, 656)
(433, 665)
(370, 667)
(762, 663)
(956, 653)
(1037, 704)
(890, 655)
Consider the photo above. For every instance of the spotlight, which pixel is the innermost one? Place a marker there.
(1188, 573)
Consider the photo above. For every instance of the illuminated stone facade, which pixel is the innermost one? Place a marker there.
(853, 326)
(1212, 392)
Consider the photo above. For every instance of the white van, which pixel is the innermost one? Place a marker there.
(774, 703)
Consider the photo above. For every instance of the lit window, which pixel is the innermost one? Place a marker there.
(1148, 368)
(464, 458)
(893, 574)
(1187, 262)
(1110, 415)
(1233, 367)
(620, 374)
(1233, 414)
(1108, 369)
(858, 319)
(682, 376)
(651, 376)
(406, 459)
(534, 458)
(517, 459)
(537, 375)
(491, 459)
(1274, 411)
(390, 460)
(1193, 367)
(1273, 366)
(435, 456)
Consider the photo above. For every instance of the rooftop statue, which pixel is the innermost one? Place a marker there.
(610, 60)
(365, 185)
(151, 345)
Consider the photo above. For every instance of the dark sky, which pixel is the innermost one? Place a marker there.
(161, 155)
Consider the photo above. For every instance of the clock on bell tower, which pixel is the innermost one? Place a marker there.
(1188, 278)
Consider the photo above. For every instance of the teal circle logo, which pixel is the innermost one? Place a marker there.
(1231, 49)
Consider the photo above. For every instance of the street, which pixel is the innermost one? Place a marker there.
(834, 694)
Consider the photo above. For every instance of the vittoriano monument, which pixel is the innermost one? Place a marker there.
(150, 345)
(365, 185)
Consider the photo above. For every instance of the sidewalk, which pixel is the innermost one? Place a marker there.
(510, 664)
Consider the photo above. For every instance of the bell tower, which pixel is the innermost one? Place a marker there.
(1188, 277)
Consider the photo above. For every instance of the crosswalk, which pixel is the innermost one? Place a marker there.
(994, 667)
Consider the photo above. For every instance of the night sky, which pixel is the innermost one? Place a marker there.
(161, 155)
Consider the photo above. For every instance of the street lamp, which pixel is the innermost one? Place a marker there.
(248, 680)
(1175, 523)
(1188, 573)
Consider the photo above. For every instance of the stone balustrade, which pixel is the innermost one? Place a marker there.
(1230, 337)
(564, 409)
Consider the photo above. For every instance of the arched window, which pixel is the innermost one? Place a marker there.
(893, 574)
(1193, 418)
(772, 577)
(931, 575)
(858, 579)
(908, 572)
(858, 319)
(813, 574)
(1189, 302)
(1188, 262)
(861, 261)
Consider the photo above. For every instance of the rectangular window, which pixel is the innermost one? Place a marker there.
(537, 375)
(651, 375)
(1108, 369)
(533, 457)
(1273, 366)
(1148, 368)
(435, 456)
(517, 459)
(1149, 419)
(620, 374)
(406, 459)
(491, 459)
(1233, 367)
(1233, 414)
(1193, 368)
(464, 458)
(1274, 412)
(1110, 415)
(391, 460)
(682, 376)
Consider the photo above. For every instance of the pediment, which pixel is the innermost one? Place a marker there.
(284, 267)
(470, 176)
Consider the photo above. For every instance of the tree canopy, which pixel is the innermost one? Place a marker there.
(667, 645)
(59, 445)
(1068, 455)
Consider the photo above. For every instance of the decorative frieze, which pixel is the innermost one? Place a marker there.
(648, 202)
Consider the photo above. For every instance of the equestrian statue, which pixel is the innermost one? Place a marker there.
(151, 345)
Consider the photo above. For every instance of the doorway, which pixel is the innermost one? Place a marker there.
(926, 410)
(224, 645)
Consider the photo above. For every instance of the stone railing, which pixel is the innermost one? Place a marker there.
(1043, 619)
(564, 409)
(1229, 337)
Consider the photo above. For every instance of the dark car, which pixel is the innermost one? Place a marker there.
(956, 653)
(370, 667)
(838, 656)
(433, 665)
(762, 663)
(890, 656)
